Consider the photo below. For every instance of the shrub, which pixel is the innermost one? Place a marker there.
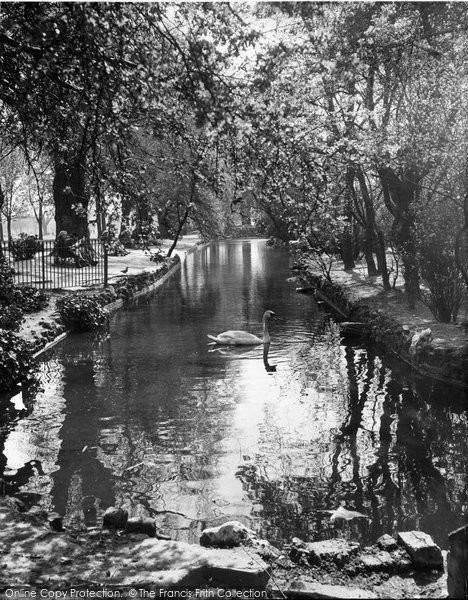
(15, 360)
(444, 284)
(157, 257)
(7, 284)
(116, 248)
(25, 246)
(82, 312)
(29, 299)
(446, 287)
(10, 317)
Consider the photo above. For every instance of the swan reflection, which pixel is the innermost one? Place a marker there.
(269, 368)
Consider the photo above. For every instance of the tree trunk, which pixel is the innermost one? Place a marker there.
(39, 219)
(185, 216)
(347, 239)
(372, 270)
(178, 232)
(399, 193)
(2, 200)
(407, 248)
(163, 225)
(126, 207)
(125, 222)
(364, 215)
(382, 260)
(100, 223)
(347, 249)
(70, 198)
(369, 224)
(143, 218)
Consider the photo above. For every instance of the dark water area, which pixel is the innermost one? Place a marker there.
(150, 417)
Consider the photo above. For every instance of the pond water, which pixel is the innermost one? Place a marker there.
(151, 417)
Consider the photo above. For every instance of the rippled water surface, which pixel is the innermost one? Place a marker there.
(152, 418)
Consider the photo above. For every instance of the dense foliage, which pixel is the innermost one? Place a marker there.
(338, 125)
(82, 312)
(358, 138)
(15, 352)
(7, 285)
(25, 298)
(10, 317)
(15, 360)
(24, 247)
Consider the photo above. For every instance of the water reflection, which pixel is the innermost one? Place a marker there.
(155, 419)
(266, 349)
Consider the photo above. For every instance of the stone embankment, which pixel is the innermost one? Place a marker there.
(130, 276)
(436, 349)
(130, 551)
(45, 329)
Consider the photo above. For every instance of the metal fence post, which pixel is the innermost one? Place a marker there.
(106, 271)
(43, 263)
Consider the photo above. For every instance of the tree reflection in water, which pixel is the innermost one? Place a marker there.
(412, 483)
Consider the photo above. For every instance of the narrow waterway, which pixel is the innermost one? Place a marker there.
(152, 418)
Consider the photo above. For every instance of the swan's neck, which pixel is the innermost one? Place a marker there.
(266, 335)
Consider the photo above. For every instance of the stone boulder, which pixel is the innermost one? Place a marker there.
(115, 518)
(337, 550)
(227, 535)
(424, 552)
(378, 561)
(144, 525)
(264, 549)
(387, 542)
(420, 341)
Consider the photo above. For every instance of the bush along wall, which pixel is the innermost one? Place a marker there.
(26, 298)
(444, 363)
(16, 364)
(11, 317)
(25, 246)
(87, 312)
(127, 287)
(16, 361)
(82, 312)
(75, 312)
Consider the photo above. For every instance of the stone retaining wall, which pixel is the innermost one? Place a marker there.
(51, 331)
(114, 296)
(446, 364)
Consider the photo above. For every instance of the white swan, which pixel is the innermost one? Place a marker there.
(243, 338)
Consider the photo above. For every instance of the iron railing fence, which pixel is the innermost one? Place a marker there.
(47, 265)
